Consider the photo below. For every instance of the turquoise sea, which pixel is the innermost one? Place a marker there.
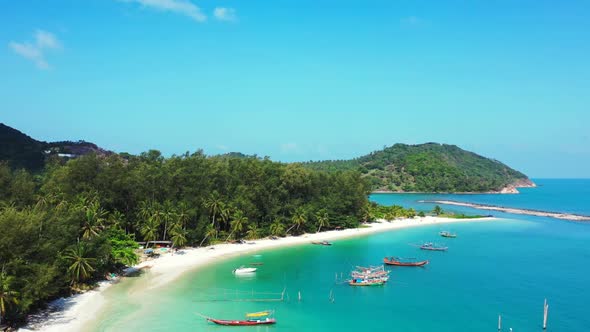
(507, 266)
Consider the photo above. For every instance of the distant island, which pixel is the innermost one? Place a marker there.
(430, 168)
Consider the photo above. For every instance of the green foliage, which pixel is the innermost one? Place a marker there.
(389, 213)
(68, 226)
(437, 210)
(427, 167)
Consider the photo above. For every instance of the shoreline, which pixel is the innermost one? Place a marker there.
(530, 212)
(75, 312)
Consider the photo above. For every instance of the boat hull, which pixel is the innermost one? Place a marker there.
(398, 263)
(249, 322)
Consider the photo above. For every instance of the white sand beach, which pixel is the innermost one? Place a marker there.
(71, 314)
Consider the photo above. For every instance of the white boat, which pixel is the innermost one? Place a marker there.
(244, 270)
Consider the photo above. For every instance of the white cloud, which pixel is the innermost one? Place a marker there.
(224, 14)
(183, 7)
(46, 40)
(35, 52)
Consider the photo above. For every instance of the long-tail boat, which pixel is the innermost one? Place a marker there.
(247, 322)
(447, 234)
(431, 246)
(399, 262)
(323, 243)
(254, 318)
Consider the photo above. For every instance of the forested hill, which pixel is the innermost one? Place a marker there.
(429, 167)
(22, 151)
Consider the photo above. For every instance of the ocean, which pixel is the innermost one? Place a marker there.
(507, 266)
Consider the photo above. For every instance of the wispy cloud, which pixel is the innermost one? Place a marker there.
(289, 147)
(222, 147)
(225, 14)
(183, 7)
(35, 51)
(412, 21)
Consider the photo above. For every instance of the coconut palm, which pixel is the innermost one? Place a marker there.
(210, 232)
(178, 236)
(8, 296)
(323, 219)
(168, 215)
(299, 218)
(118, 220)
(277, 228)
(149, 230)
(253, 232)
(225, 213)
(237, 223)
(183, 214)
(438, 210)
(213, 203)
(80, 266)
(93, 221)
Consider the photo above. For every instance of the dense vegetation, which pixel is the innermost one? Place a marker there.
(66, 227)
(427, 167)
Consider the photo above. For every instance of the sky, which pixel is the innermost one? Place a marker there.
(301, 80)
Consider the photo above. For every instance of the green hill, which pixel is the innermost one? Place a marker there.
(21, 151)
(429, 167)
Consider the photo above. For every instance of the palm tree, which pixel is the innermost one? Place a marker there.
(8, 295)
(93, 221)
(178, 236)
(210, 231)
(168, 215)
(214, 204)
(299, 218)
(81, 266)
(252, 232)
(438, 210)
(237, 223)
(389, 216)
(225, 212)
(183, 214)
(117, 220)
(277, 228)
(323, 219)
(149, 230)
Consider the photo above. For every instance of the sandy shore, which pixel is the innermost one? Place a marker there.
(558, 215)
(71, 314)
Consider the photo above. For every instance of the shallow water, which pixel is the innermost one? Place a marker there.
(507, 267)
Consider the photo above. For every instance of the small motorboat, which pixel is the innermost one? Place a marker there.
(401, 262)
(247, 322)
(447, 234)
(244, 270)
(323, 243)
(432, 247)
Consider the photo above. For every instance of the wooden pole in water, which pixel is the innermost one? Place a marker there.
(545, 313)
(499, 322)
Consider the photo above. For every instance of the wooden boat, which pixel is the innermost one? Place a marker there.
(247, 322)
(256, 263)
(323, 243)
(399, 262)
(447, 234)
(244, 270)
(366, 282)
(430, 246)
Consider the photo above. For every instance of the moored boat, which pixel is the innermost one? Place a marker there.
(431, 246)
(366, 282)
(447, 234)
(400, 262)
(323, 243)
(247, 322)
(244, 270)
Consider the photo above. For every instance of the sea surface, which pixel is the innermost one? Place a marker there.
(507, 266)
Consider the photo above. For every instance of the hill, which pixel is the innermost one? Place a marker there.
(21, 151)
(430, 167)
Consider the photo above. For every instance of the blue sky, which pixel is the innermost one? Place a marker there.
(299, 80)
